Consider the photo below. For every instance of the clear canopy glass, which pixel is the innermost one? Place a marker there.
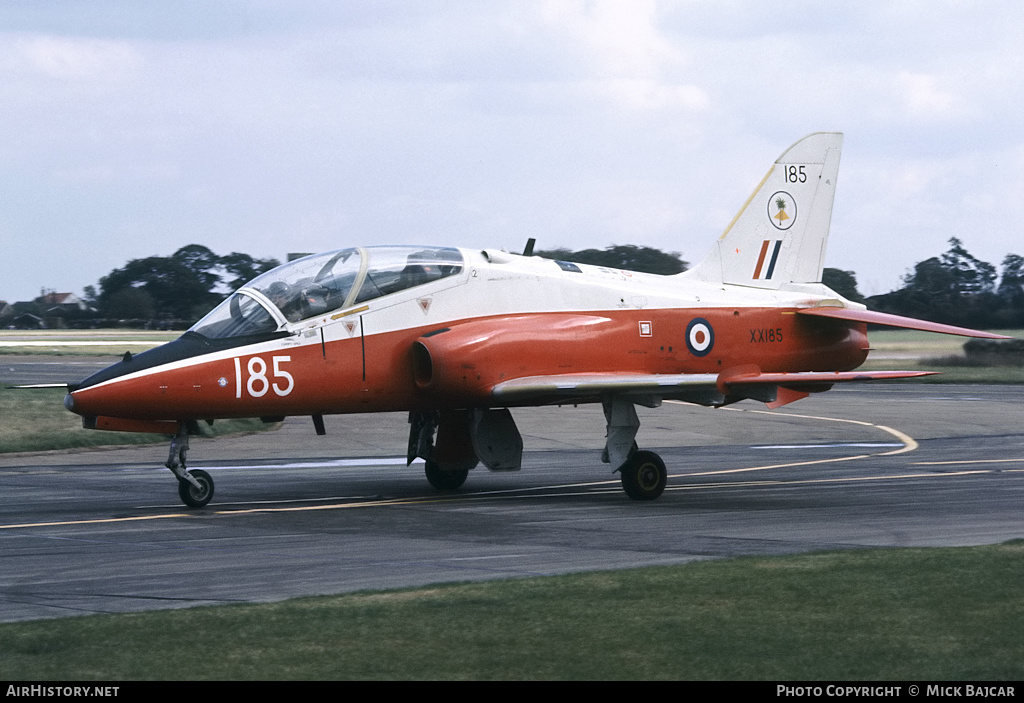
(322, 283)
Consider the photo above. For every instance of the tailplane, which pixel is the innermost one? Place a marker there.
(780, 233)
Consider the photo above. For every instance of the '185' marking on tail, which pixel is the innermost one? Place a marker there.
(761, 257)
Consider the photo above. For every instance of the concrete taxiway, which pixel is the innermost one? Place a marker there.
(295, 514)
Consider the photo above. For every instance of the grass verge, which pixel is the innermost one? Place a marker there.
(950, 374)
(881, 614)
(81, 342)
(35, 420)
(911, 350)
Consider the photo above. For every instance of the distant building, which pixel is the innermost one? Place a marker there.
(50, 310)
(6, 315)
(68, 302)
(28, 321)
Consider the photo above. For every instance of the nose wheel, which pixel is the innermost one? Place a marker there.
(196, 496)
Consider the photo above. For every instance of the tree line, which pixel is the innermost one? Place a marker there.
(168, 292)
(175, 291)
(955, 288)
(959, 289)
(181, 287)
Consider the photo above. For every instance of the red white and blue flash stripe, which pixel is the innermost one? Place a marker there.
(763, 255)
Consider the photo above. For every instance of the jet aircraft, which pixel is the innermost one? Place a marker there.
(456, 337)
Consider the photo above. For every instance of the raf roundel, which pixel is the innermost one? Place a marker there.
(700, 338)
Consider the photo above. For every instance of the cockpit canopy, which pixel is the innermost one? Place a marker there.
(322, 283)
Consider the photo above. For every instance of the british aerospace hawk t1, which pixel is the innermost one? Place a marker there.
(456, 337)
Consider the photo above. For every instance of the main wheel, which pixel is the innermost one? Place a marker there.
(445, 479)
(644, 476)
(196, 497)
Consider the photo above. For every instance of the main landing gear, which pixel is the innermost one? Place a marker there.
(465, 438)
(449, 461)
(195, 487)
(643, 472)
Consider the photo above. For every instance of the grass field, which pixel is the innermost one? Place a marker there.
(883, 614)
(35, 420)
(912, 344)
(910, 350)
(81, 342)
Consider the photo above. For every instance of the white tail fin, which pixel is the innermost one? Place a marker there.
(780, 233)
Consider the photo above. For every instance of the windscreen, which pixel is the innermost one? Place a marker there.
(239, 316)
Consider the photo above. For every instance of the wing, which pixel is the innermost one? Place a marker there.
(775, 389)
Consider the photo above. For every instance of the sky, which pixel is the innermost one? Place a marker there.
(132, 129)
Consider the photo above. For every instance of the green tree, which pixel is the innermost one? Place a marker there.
(174, 289)
(1011, 291)
(1011, 281)
(970, 276)
(130, 303)
(242, 268)
(842, 282)
(202, 262)
(623, 256)
(183, 286)
(955, 288)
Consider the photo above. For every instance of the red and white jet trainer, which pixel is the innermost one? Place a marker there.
(456, 337)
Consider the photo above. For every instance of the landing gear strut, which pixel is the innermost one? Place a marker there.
(449, 461)
(195, 488)
(643, 472)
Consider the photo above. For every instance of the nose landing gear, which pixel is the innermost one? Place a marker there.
(195, 488)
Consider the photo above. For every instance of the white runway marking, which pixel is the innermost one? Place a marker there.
(825, 446)
(328, 464)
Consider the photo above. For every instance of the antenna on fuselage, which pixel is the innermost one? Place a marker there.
(528, 251)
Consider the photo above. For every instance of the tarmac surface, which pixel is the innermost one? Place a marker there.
(295, 514)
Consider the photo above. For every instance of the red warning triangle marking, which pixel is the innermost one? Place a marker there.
(424, 303)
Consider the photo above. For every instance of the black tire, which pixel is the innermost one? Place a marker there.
(445, 478)
(194, 497)
(644, 476)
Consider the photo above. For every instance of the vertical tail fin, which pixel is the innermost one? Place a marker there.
(780, 233)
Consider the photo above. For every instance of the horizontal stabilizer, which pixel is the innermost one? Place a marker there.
(888, 320)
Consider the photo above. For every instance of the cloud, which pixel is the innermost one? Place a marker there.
(76, 59)
(258, 127)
